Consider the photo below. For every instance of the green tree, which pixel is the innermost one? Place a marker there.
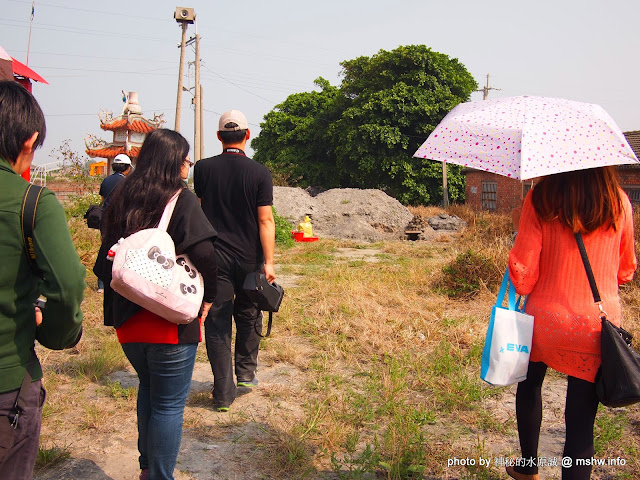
(364, 133)
(293, 141)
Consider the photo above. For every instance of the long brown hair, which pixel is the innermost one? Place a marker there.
(139, 200)
(583, 200)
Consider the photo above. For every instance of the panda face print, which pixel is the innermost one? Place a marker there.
(188, 289)
(190, 271)
(157, 255)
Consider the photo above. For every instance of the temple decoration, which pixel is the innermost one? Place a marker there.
(129, 131)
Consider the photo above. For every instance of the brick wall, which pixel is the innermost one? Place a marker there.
(508, 192)
(629, 176)
(63, 190)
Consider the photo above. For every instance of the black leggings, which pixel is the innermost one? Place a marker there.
(579, 415)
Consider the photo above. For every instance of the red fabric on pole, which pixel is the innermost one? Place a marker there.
(22, 70)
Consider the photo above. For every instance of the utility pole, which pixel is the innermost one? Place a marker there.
(184, 16)
(486, 88)
(201, 126)
(33, 9)
(197, 102)
(180, 75)
(445, 190)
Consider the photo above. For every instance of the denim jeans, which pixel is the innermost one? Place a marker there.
(165, 373)
(22, 456)
(232, 301)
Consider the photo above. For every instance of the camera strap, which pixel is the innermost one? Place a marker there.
(27, 223)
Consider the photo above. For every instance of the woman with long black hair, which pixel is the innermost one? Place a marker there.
(546, 265)
(161, 352)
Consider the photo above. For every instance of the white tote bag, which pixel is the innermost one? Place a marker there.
(505, 357)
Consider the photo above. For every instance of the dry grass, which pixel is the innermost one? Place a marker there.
(366, 317)
(384, 365)
(427, 212)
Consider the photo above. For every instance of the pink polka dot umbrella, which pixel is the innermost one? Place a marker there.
(528, 137)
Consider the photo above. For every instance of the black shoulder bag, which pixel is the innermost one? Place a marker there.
(9, 423)
(93, 216)
(618, 379)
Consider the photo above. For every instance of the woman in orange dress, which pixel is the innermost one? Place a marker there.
(545, 264)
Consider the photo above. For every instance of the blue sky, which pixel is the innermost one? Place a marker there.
(256, 53)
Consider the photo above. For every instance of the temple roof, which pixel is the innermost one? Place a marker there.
(135, 124)
(111, 151)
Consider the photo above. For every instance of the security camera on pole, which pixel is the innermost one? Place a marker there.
(184, 16)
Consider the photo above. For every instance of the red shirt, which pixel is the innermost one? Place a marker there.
(545, 264)
(147, 327)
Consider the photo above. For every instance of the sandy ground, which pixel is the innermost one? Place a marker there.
(219, 454)
(224, 446)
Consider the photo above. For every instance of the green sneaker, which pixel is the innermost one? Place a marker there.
(222, 409)
(250, 384)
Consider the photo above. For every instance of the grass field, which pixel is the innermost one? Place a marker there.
(383, 352)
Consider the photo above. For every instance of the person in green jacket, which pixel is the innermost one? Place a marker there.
(58, 324)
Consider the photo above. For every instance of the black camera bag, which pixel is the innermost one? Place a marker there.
(267, 296)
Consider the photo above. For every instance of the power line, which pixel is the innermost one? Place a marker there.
(96, 114)
(277, 58)
(241, 76)
(258, 77)
(110, 70)
(119, 59)
(101, 12)
(238, 86)
(248, 84)
(82, 31)
(164, 20)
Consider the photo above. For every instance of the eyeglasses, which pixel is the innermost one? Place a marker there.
(189, 162)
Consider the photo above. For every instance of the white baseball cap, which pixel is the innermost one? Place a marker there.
(122, 159)
(232, 121)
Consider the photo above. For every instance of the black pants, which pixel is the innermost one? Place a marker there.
(232, 301)
(579, 415)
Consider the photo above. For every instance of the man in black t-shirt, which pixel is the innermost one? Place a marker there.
(121, 167)
(236, 194)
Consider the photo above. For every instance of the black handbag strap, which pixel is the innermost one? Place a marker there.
(27, 223)
(268, 327)
(21, 398)
(587, 268)
(269, 324)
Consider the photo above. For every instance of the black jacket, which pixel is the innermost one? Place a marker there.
(192, 234)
